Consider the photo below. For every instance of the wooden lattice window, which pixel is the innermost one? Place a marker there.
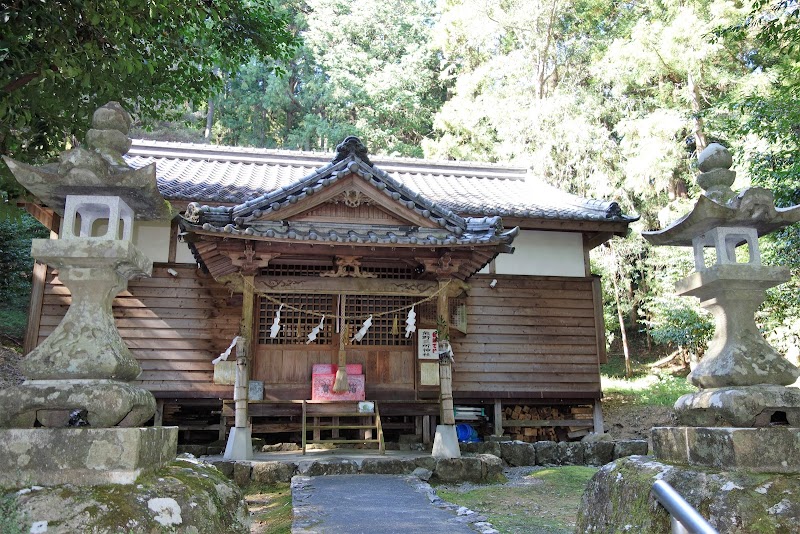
(386, 329)
(287, 269)
(279, 269)
(426, 313)
(297, 323)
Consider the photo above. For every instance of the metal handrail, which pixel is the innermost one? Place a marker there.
(685, 519)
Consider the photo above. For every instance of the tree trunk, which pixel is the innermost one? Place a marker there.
(622, 331)
(694, 98)
(209, 119)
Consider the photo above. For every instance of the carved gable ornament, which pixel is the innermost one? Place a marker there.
(351, 198)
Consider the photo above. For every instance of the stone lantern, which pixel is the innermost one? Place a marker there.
(741, 377)
(80, 376)
(735, 454)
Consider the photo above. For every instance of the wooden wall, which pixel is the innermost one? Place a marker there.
(173, 325)
(286, 370)
(528, 338)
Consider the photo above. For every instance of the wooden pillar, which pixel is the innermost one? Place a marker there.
(38, 283)
(598, 417)
(158, 418)
(242, 386)
(498, 417)
(241, 390)
(445, 366)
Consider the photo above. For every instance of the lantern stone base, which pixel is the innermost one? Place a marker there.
(742, 406)
(756, 450)
(108, 403)
(82, 456)
(618, 498)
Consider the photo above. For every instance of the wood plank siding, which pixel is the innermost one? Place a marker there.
(529, 337)
(173, 325)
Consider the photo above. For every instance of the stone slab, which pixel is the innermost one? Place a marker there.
(185, 496)
(82, 456)
(757, 450)
(618, 498)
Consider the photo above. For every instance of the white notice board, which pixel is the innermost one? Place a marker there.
(428, 346)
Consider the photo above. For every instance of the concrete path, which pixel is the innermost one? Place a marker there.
(372, 504)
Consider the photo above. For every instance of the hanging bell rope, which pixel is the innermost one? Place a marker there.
(340, 383)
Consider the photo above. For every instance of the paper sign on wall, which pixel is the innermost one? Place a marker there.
(428, 347)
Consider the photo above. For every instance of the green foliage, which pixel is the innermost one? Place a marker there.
(16, 230)
(678, 321)
(365, 70)
(12, 521)
(59, 61)
(659, 389)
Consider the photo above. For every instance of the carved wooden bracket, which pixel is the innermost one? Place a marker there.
(348, 266)
(249, 262)
(443, 266)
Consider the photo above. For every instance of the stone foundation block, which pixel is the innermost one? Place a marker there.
(491, 467)
(273, 472)
(598, 452)
(745, 406)
(378, 466)
(518, 453)
(82, 456)
(632, 447)
(332, 467)
(764, 450)
(546, 452)
(483, 447)
(241, 473)
(570, 453)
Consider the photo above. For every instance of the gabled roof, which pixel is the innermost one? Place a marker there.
(421, 222)
(227, 175)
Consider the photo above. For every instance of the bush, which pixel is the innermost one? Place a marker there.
(678, 322)
(16, 231)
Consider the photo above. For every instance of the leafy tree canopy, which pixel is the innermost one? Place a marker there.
(59, 61)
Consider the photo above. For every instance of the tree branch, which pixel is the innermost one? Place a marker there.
(22, 82)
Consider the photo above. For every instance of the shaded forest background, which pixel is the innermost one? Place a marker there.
(603, 99)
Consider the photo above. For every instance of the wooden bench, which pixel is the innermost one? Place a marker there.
(335, 412)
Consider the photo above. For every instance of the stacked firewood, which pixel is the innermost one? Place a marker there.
(566, 422)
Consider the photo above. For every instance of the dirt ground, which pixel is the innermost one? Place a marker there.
(626, 421)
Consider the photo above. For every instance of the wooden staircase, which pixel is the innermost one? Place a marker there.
(340, 415)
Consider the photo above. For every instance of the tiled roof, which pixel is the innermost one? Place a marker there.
(443, 227)
(210, 174)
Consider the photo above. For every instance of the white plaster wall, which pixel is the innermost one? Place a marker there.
(543, 254)
(152, 238)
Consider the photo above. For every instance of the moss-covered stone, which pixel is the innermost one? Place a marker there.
(618, 499)
(183, 497)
